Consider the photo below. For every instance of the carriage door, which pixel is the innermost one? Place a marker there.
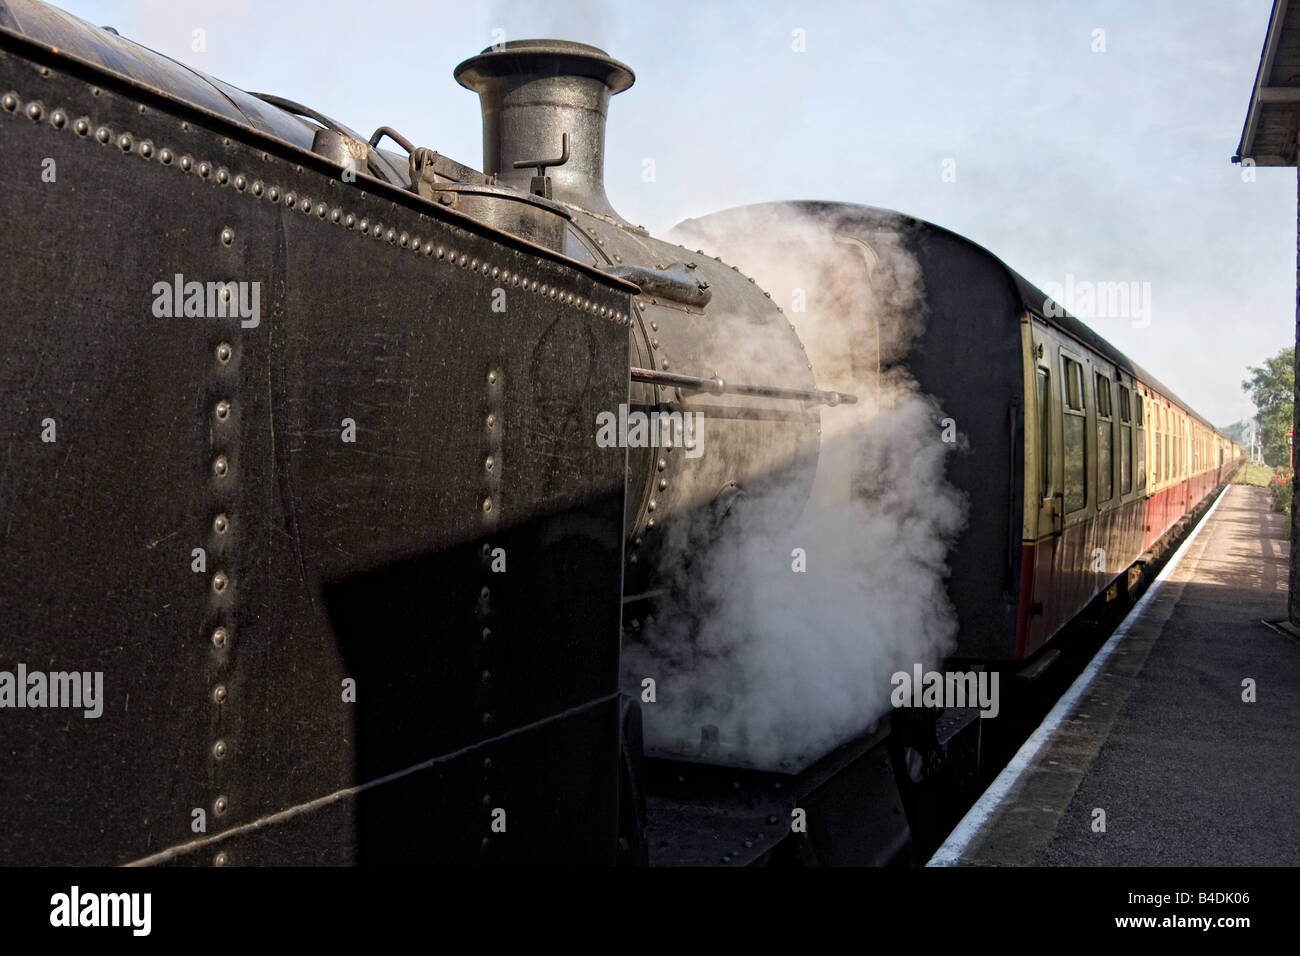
(1046, 392)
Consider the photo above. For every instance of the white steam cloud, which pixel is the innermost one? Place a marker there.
(765, 666)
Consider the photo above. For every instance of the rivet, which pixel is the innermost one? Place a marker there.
(487, 504)
(220, 466)
(654, 326)
(349, 220)
(241, 182)
(483, 843)
(227, 236)
(257, 187)
(103, 135)
(58, 119)
(219, 749)
(390, 235)
(653, 506)
(219, 805)
(220, 637)
(81, 126)
(650, 523)
(274, 194)
(491, 421)
(9, 102)
(219, 693)
(440, 252)
(487, 763)
(378, 230)
(223, 353)
(223, 176)
(463, 258)
(405, 239)
(220, 524)
(486, 634)
(662, 464)
(223, 410)
(146, 150)
(305, 204)
(490, 463)
(492, 378)
(487, 677)
(543, 289)
(35, 111)
(496, 272)
(321, 210)
(663, 483)
(336, 215)
(364, 224)
(485, 594)
(290, 199)
(654, 343)
(205, 169)
(220, 859)
(487, 720)
(220, 582)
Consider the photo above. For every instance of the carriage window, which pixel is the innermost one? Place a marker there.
(1168, 450)
(1073, 434)
(1105, 441)
(1073, 384)
(1155, 445)
(1139, 443)
(1044, 443)
(1125, 441)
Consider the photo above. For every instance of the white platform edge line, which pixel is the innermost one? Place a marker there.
(950, 853)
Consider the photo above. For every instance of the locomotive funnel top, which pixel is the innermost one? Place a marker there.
(535, 96)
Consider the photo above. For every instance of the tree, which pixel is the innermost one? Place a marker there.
(1271, 387)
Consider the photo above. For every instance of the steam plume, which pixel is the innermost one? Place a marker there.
(765, 667)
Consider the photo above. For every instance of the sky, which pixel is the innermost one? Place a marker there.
(1081, 142)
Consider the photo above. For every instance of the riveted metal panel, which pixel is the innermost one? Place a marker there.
(330, 455)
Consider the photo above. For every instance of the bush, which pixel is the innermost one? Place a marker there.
(1281, 484)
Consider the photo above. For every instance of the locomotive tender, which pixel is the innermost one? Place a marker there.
(330, 525)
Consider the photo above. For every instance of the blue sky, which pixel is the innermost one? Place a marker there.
(1070, 161)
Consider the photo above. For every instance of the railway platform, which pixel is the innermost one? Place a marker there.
(1177, 745)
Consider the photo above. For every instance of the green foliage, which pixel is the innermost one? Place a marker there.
(1281, 485)
(1271, 387)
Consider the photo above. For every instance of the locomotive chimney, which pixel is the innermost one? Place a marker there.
(537, 97)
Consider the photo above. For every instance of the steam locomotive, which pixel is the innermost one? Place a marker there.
(314, 554)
